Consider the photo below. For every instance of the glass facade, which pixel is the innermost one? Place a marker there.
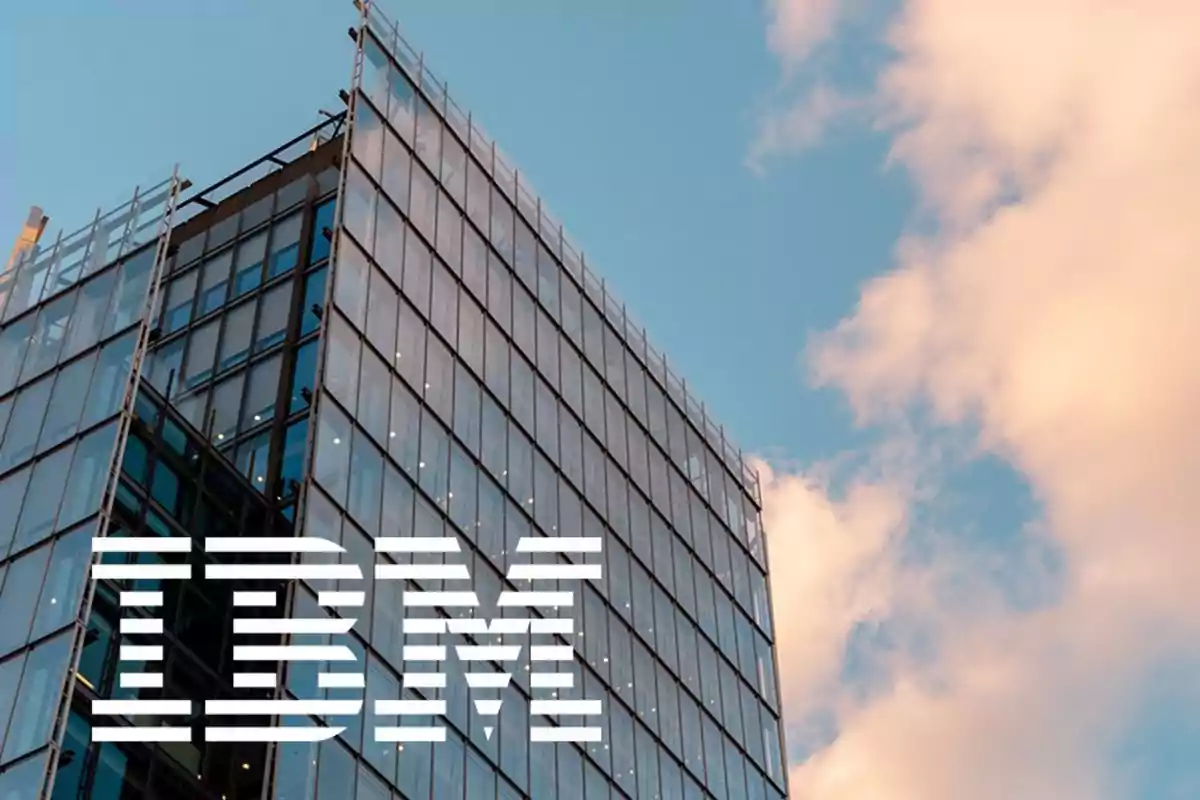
(385, 336)
(73, 323)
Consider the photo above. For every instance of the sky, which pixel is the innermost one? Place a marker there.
(933, 263)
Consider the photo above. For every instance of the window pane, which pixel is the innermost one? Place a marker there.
(333, 451)
(62, 592)
(38, 698)
(397, 166)
(304, 377)
(423, 203)
(358, 200)
(273, 310)
(87, 320)
(201, 353)
(25, 423)
(89, 472)
(43, 497)
(416, 273)
(235, 341)
(444, 305)
(14, 343)
(350, 286)
(129, 300)
(66, 403)
(381, 314)
(374, 402)
(226, 402)
(248, 263)
(405, 428)
(341, 362)
(367, 140)
(262, 391)
(48, 336)
(322, 221)
(366, 483)
(214, 283)
(18, 600)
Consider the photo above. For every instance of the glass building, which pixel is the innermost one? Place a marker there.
(376, 330)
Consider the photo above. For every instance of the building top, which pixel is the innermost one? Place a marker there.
(529, 204)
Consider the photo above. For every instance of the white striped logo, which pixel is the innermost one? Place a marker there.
(449, 609)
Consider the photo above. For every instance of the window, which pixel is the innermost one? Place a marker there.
(514, 736)
(319, 241)
(366, 484)
(623, 749)
(443, 312)
(423, 203)
(314, 301)
(373, 397)
(18, 600)
(252, 457)
(214, 283)
(435, 459)
(14, 343)
(88, 318)
(304, 374)
(292, 470)
(333, 451)
(66, 403)
(350, 283)
(129, 301)
(43, 497)
(496, 366)
(474, 263)
(201, 353)
(25, 423)
(439, 379)
(405, 428)
(36, 706)
(449, 232)
(467, 399)
(48, 335)
(502, 227)
(499, 292)
(381, 314)
(416, 273)
(248, 264)
(262, 391)
(478, 196)
(273, 310)
(522, 406)
(524, 322)
(397, 168)
(341, 362)
(226, 402)
(410, 347)
(367, 139)
(494, 453)
(235, 342)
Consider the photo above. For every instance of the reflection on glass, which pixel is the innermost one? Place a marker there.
(42, 498)
(25, 423)
(66, 403)
(285, 246)
(89, 471)
(38, 698)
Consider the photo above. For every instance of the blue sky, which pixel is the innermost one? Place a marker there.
(620, 134)
(634, 121)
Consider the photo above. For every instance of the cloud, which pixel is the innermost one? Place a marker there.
(802, 125)
(1052, 319)
(798, 28)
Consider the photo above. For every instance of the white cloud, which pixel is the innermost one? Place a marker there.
(1053, 316)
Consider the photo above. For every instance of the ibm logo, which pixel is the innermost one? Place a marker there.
(543, 658)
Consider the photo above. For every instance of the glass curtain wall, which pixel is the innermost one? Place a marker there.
(473, 386)
(74, 323)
